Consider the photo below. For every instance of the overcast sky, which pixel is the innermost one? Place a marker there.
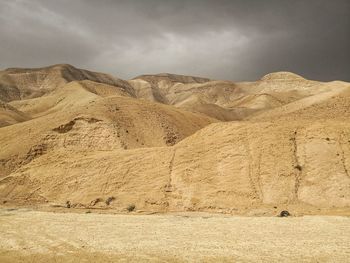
(220, 39)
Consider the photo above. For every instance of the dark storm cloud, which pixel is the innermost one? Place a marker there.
(237, 40)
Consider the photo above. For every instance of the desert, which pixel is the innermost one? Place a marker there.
(92, 140)
(176, 152)
(174, 131)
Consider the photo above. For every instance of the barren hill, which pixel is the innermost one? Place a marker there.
(10, 115)
(19, 83)
(229, 101)
(174, 143)
(73, 118)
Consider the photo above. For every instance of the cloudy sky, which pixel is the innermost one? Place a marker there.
(220, 39)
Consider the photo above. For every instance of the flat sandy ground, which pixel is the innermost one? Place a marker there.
(33, 236)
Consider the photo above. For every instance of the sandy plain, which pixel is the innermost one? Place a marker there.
(38, 236)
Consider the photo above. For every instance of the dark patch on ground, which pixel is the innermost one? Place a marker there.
(69, 126)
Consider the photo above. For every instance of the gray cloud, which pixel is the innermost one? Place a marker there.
(222, 39)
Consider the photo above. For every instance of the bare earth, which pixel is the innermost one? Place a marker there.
(172, 143)
(197, 154)
(33, 236)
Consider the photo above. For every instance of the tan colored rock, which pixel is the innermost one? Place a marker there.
(157, 142)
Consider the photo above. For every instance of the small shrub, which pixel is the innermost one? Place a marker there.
(131, 208)
(96, 201)
(68, 204)
(284, 213)
(109, 200)
(298, 167)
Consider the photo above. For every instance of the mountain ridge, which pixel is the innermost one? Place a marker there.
(170, 142)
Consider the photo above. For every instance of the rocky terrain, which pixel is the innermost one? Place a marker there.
(165, 143)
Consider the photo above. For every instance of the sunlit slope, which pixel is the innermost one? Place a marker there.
(75, 119)
(276, 94)
(229, 167)
(22, 83)
(174, 143)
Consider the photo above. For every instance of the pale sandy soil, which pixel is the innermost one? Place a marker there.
(33, 236)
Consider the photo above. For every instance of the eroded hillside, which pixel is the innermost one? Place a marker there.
(174, 143)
